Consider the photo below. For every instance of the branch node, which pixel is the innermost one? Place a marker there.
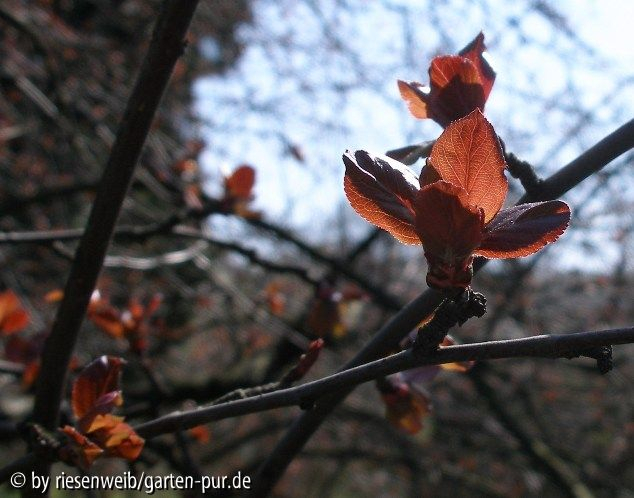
(451, 312)
(42, 442)
(525, 173)
(603, 355)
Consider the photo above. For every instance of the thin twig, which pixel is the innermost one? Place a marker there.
(143, 232)
(377, 292)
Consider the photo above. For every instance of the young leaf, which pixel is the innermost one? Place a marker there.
(523, 230)
(99, 378)
(405, 406)
(381, 190)
(12, 317)
(80, 450)
(455, 89)
(475, 52)
(468, 154)
(240, 183)
(449, 227)
(306, 361)
(416, 96)
(116, 437)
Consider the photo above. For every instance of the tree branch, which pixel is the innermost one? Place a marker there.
(166, 228)
(541, 346)
(165, 47)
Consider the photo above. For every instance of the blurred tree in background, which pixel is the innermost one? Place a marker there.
(211, 286)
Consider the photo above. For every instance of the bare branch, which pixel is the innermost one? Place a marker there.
(541, 346)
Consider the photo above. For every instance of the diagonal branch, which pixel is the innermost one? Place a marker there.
(166, 46)
(541, 346)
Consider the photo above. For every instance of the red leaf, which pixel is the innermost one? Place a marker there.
(200, 433)
(428, 175)
(116, 437)
(109, 321)
(102, 406)
(80, 450)
(54, 296)
(324, 318)
(475, 52)
(405, 406)
(12, 317)
(449, 227)
(382, 190)
(416, 96)
(240, 183)
(523, 230)
(99, 378)
(125, 443)
(468, 154)
(306, 361)
(275, 298)
(105, 316)
(455, 89)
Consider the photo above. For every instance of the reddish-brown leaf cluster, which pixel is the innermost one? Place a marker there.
(13, 317)
(454, 208)
(18, 349)
(275, 299)
(25, 351)
(131, 324)
(238, 193)
(458, 84)
(405, 405)
(405, 397)
(97, 432)
(325, 318)
(200, 433)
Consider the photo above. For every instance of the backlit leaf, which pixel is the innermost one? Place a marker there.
(99, 378)
(381, 190)
(124, 442)
(475, 52)
(12, 316)
(80, 450)
(523, 230)
(468, 154)
(240, 183)
(200, 433)
(117, 438)
(405, 406)
(455, 89)
(416, 97)
(449, 227)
